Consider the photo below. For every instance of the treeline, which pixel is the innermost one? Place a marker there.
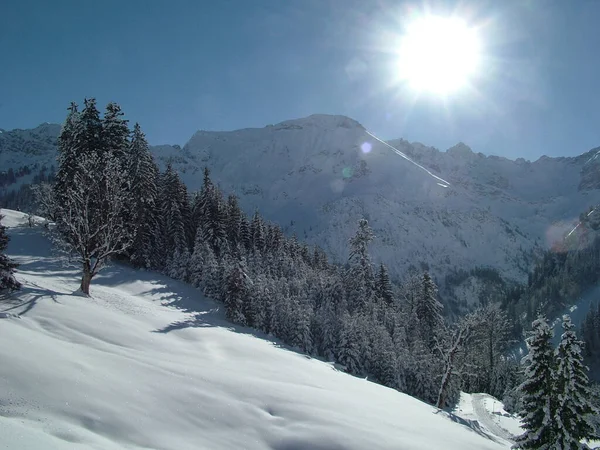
(10, 176)
(110, 200)
(558, 280)
(590, 333)
(23, 198)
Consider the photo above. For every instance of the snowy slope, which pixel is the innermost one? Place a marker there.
(148, 363)
(27, 147)
(457, 209)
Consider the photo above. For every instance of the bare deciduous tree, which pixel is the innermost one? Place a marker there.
(92, 220)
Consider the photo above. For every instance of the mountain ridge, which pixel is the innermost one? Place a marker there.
(318, 175)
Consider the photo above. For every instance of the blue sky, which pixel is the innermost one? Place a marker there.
(180, 66)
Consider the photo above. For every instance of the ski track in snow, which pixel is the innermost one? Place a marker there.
(486, 419)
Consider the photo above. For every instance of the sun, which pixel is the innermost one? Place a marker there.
(438, 54)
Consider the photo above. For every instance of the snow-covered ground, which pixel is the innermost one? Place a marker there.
(147, 362)
(489, 413)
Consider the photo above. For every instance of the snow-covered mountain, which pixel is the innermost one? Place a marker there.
(149, 363)
(446, 210)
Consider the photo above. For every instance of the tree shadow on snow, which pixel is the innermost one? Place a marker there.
(13, 302)
(201, 312)
(473, 425)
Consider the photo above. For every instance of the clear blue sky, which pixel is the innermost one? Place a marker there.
(178, 66)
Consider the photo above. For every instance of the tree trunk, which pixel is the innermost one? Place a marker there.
(86, 278)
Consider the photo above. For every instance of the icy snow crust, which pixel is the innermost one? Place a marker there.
(147, 362)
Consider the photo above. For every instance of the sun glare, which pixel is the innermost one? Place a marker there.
(438, 54)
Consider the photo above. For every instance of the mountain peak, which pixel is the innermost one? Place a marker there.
(460, 150)
(322, 121)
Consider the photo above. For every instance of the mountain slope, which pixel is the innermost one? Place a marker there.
(443, 210)
(148, 363)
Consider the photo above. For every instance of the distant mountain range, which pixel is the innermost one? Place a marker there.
(318, 175)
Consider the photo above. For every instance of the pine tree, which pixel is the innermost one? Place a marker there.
(359, 277)
(429, 311)
(172, 218)
(115, 133)
(213, 230)
(245, 238)
(67, 155)
(573, 406)
(236, 292)
(232, 226)
(142, 173)
(348, 351)
(539, 397)
(7, 266)
(384, 286)
(257, 231)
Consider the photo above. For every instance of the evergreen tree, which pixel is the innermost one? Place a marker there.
(142, 173)
(359, 277)
(245, 238)
(115, 133)
(236, 292)
(573, 406)
(428, 311)
(257, 231)
(539, 398)
(348, 351)
(67, 155)
(384, 286)
(213, 230)
(234, 216)
(7, 266)
(172, 218)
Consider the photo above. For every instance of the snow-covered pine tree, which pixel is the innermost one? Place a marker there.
(67, 156)
(429, 312)
(236, 292)
(257, 231)
(348, 351)
(255, 303)
(172, 224)
(383, 357)
(573, 406)
(384, 286)
(142, 173)
(232, 225)
(7, 266)
(359, 276)
(214, 222)
(185, 209)
(245, 237)
(88, 136)
(421, 370)
(115, 133)
(301, 332)
(178, 266)
(539, 397)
